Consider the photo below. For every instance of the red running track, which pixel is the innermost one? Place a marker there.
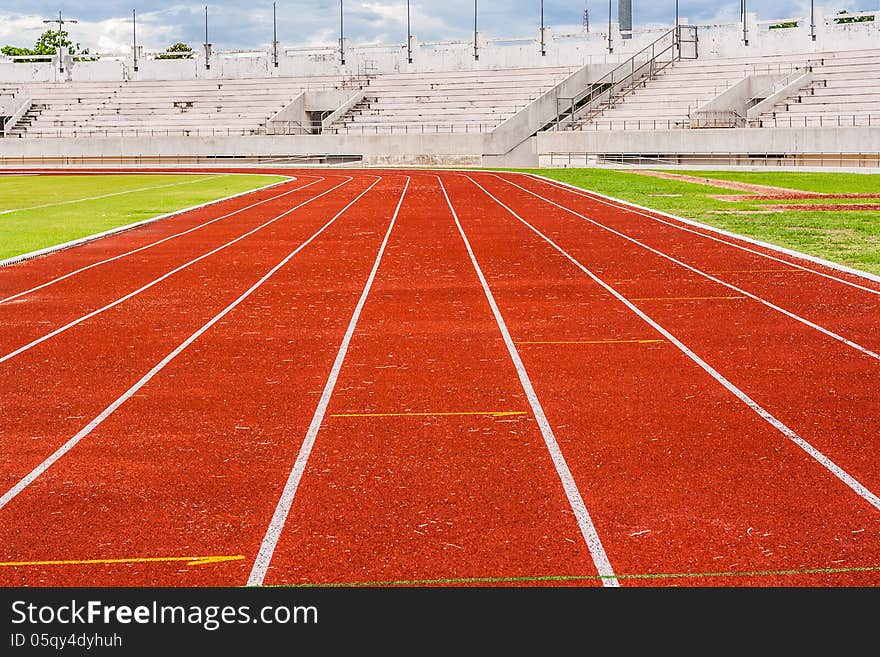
(436, 379)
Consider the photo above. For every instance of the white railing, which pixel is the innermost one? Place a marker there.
(853, 120)
(305, 160)
(857, 120)
(713, 158)
(278, 128)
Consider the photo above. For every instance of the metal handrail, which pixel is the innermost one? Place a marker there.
(771, 89)
(865, 119)
(715, 158)
(277, 128)
(310, 160)
(724, 118)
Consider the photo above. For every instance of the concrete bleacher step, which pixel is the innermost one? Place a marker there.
(844, 84)
(463, 98)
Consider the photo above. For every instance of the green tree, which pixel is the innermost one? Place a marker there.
(176, 51)
(852, 19)
(783, 26)
(13, 51)
(46, 45)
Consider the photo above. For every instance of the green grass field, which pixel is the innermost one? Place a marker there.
(40, 211)
(848, 237)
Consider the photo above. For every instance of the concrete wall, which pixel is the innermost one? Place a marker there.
(729, 40)
(725, 140)
(460, 149)
(428, 149)
(524, 156)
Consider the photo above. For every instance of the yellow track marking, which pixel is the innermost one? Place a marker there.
(595, 342)
(429, 414)
(190, 561)
(687, 298)
(760, 271)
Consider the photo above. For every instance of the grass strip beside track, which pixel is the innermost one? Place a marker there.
(76, 206)
(851, 238)
(807, 181)
(556, 579)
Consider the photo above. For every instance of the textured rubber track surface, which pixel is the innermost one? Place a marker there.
(429, 465)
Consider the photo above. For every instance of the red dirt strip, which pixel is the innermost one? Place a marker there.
(844, 309)
(412, 477)
(757, 192)
(191, 465)
(69, 379)
(795, 260)
(680, 475)
(830, 207)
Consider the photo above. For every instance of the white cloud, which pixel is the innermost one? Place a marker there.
(111, 35)
(106, 26)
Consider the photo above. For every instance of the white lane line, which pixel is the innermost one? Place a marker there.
(585, 522)
(143, 288)
(643, 211)
(107, 412)
(161, 241)
(285, 502)
(773, 306)
(55, 248)
(121, 193)
(789, 433)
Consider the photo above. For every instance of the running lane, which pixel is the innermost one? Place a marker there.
(53, 389)
(15, 279)
(848, 310)
(429, 465)
(822, 388)
(191, 465)
(31, 315)
(682, 478)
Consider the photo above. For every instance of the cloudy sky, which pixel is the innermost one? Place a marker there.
(105, 25)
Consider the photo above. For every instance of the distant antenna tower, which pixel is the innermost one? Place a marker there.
(586, 18)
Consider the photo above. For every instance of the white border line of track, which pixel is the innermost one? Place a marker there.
(575, 500)
(700, 272)
(627, 205)
(123, 192)
(163, 277)
(850, 481)
(107, 412)
(162, 240)
(119, 229)
(285, 501)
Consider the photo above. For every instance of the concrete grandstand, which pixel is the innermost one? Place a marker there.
(740, 93)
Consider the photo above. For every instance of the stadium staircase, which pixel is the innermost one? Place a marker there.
(845, 91)
(26, 121)
(626, 79)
